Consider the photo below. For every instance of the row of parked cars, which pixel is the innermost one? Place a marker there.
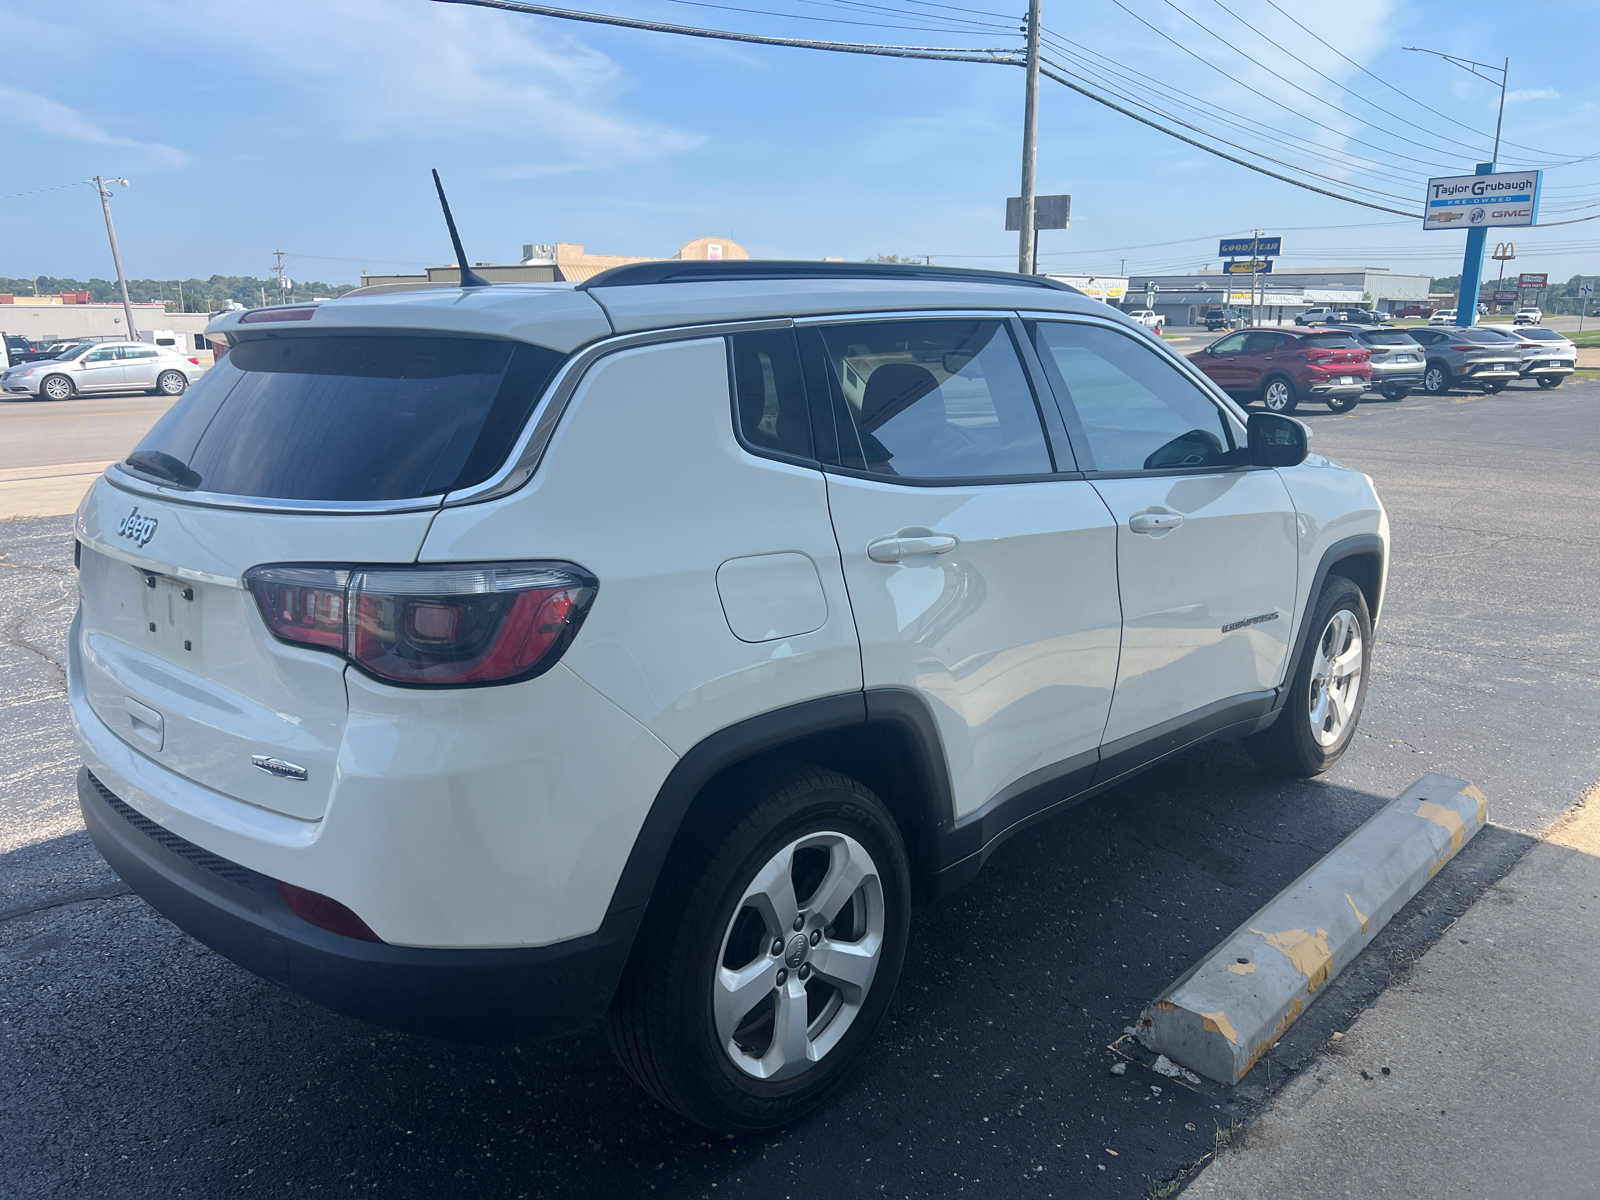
(1338, 365)
(67, 369)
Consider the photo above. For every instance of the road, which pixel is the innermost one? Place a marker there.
(39, 433)
(135, 1063)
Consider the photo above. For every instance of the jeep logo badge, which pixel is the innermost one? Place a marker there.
(139, 528)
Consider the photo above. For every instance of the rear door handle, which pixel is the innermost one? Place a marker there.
(1154, 522)
(893, 549)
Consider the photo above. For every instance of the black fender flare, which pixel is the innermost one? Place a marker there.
(1359, 546)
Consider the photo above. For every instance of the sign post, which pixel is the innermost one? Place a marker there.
(1481, 202)
(1585, 295)
(1260, 249)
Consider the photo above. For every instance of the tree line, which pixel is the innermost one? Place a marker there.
(180, 295)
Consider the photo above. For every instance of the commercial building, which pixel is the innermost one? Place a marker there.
(1282, 295)
(34, 318)
(561, 262)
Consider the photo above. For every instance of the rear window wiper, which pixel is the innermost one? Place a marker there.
(163, 466)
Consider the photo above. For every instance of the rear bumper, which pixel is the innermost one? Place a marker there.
(1499, 370)
(488, 996)
(1531, 370)
(1406, 377)
(1337, 389)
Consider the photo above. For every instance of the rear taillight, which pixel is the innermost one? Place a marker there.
(430, 626)
(1316, 359)
(195, 361)
(1466, 347)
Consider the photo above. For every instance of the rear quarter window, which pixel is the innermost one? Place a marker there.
(348, 417)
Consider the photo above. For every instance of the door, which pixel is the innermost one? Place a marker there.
(140, 365)
(102, 370)
(1206, 548)
(980, 577)
(1221, 361)
(1262, 348)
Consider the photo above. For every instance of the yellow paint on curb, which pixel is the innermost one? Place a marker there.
(1359, 915)
(1242, 968)
(1447, 819)
(1217, 1022)
(1483, 802)
(1310, 955)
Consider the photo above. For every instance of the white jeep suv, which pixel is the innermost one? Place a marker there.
(493, 661)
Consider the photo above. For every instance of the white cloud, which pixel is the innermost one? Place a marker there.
(57, 120)
(1519, 94)
(375, 68)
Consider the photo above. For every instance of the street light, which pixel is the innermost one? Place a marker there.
(116, 255)
(1471, 67)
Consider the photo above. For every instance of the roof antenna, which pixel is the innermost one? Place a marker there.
(469, 277)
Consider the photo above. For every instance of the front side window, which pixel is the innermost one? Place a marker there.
(348, 417)
(1137, 410)
(103, 355)
(1232, 344)
(936, 399)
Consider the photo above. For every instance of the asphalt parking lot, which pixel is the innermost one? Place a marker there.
(133, 1062)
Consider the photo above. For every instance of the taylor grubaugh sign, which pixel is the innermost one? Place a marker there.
(1465, 201)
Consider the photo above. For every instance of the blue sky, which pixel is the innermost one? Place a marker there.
(310, 125)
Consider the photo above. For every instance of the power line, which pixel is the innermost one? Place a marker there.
(55, 188)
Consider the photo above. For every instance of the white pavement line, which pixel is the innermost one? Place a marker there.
(1232, 1007)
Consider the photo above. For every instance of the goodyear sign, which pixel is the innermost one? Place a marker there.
(1465, 201)
(1250, 266)
(1232, 247)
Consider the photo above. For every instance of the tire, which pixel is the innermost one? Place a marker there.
(675, 1023)
(1436, 379)
(1319, 718)
(1343, 403)
(171, 383)
(1495, 388)
(1395, 392)
(1278, 394)
(55, 387)
(1551, 381)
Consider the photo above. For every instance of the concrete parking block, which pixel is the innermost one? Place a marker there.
(1229, 1009)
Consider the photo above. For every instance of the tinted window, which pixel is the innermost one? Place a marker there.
(936, 399)
(1138, 411)
(1340, 341)
(770, 392)
(348, 417)
(1387, 337)
(1232, 344)
(1543, 335)
(139, 352)
(1264, 343)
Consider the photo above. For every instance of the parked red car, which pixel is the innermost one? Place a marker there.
(1281, 367)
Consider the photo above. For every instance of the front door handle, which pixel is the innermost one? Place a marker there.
(1154, 522)
(901, 546)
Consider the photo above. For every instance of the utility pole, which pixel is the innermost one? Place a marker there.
(282, 287)
(1255, 246)
(180, 297)
(116, 255)
(1027, 260)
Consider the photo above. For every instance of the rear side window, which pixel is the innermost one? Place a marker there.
(348, 417)
(771, 393)
(934, 399)
(1138, 412)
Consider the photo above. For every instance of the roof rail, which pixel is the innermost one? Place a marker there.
(733, 270)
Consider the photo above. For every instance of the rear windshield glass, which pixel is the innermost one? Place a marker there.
(1340, 340)
(348, 417)
(1542, 335)
(1389, 338)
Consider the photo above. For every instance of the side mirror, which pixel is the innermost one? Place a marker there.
(1277, 441)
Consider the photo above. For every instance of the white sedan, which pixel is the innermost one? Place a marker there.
(1148, 318)
(90, 367)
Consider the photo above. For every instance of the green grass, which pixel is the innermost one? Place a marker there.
(1589, 337)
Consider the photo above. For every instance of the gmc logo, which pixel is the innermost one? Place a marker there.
(137, 528)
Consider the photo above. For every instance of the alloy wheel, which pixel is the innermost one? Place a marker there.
(1277, 395)
(57, 388)
(798, 956)
(1435, 381)
(1335, 677)
(172, 383)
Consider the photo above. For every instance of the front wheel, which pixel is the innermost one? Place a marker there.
(1436, 379)
(1279, 395)
(769, 953)
(56, 387)
(1327, 691)
(1395, 392)
(1551, 381)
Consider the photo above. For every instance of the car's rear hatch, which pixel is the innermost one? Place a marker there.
(332, 449)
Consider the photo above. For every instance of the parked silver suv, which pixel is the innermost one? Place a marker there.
(1455, 356)
(91, 367)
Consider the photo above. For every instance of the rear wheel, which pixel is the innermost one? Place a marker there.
(1396, 392)
(769, 953)
(55, 387)
(1436, 379)
(1328, 689)
(1551, 381)
(1278, 394)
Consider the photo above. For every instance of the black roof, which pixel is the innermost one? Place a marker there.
(674, 270)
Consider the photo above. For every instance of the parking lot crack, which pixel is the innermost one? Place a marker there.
(107, 891)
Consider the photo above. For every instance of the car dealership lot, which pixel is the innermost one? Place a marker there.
(137, 1063)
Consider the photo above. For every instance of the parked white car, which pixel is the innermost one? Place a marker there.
(1547, 356)
(88, 368)
(1445, 316)
(1148, 318)
(636, 651)
(1528, 316)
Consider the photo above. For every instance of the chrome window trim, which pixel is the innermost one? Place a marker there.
(1193, 373)
(119, 477)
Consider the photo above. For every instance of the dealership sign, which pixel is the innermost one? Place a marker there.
(1464, 201)
(1533, 283)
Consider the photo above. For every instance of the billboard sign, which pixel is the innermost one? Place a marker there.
(1049, 212)
(1533, 283)
(1105, 288)
(1248, 266)
(1232, 247)
(1505, 297)
(1464, 201)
